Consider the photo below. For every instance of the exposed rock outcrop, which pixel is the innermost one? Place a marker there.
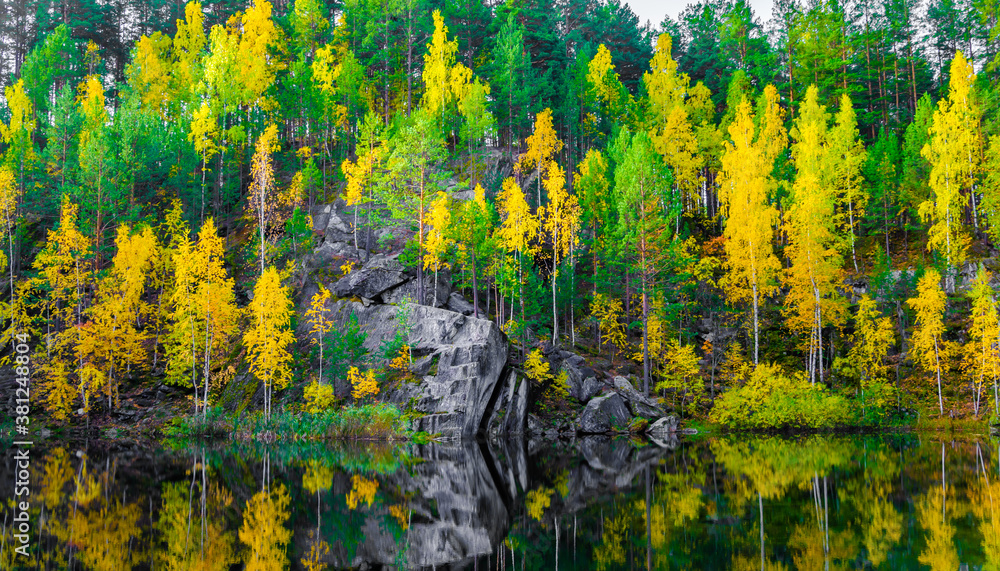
(604, 414)
(470, 354)
(509, 411)
(663, 427)
(638, 404)
(368, 283)
(582, 380)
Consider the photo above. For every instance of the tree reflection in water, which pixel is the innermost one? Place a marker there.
(817, 502)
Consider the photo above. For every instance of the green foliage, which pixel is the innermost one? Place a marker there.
(345, 346)
(377, 421)
(773, 398)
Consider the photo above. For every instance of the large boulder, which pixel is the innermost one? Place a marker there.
(638, 404)
(582, 380)
(663, 427)
(332, 222)
(469, 353)
(604, 414)
(457, 303)
(410, 290)
(368, 283)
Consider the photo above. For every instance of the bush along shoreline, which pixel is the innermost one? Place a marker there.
(368, 422)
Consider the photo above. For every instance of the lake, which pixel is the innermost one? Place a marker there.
(906, 501)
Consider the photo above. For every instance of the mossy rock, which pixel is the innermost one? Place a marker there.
(638, 425)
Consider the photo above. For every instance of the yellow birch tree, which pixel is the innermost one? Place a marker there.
(815, 268)
(269, 336)
(561, 221)
(953, 153)
(437, 238)
(983, 349)
(926, 343)
(847, 155)
(751, 266)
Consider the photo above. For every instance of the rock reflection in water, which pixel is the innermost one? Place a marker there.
(456, 511)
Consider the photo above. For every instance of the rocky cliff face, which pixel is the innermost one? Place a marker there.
(463, 386)
(458, 361)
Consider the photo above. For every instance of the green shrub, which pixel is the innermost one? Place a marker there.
(772, 398)
(376, 421)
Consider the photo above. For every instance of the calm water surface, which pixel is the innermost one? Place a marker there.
(900, 502)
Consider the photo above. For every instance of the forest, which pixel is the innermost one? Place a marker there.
(750, 213)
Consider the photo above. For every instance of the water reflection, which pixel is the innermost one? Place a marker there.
(903, 502)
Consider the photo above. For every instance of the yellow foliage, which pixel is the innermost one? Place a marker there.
(437, 241)
(562, 217)
(362, 490)
(111, 340)
(269, 336)
(364, 384)
(401, 515)
(953, 152)
(261, 202)
(17, 133)
(666, 88)
(929, 305)
(257, 67)
(848, 155)
(319, 397)
(519, 226)
(561, 483)
(537, 501)
(939, 552)
(444, 81)
(675, 141)
(202, 304)
(204, 132)
(536, 367)
(610, 553)
(92, 106)
(182, 552)
(58, 390)
(681, 372)
(317, 477)
(872, 338)
(543, 144)
(189, 41)
(318, 322)
(313, 561)
(263, 530)
(983, 349)
(401, 362)
(608, 313)
(58, 473)
(813, 301)
(751, 266)
(597, 72)
(149, 72)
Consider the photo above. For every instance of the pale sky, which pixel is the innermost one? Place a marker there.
(654, 10)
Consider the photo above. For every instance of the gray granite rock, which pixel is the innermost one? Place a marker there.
(471, 353)
(663, 427)
(368, 283)
(509, 412)
(604, 414)
(638, 404)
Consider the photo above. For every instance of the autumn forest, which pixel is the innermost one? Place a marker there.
(764, 220)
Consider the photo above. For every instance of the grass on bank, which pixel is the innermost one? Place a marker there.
(378, 421)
